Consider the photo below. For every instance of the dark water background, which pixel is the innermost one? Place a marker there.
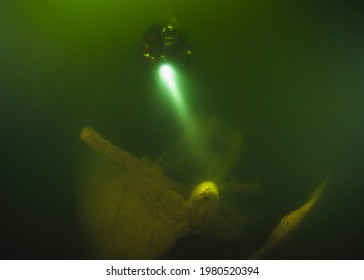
(290, 76)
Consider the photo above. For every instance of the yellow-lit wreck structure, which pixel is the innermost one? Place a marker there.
(131, 209)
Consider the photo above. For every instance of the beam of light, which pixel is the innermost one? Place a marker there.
(168, 75)
(169, 80)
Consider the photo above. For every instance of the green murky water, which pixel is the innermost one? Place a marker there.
(288, 76)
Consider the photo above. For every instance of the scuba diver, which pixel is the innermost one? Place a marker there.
(163, 43)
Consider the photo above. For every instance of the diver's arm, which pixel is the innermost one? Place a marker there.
(147, 53)
(150, 43)
(185, 53)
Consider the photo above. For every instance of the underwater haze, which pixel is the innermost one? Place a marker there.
(288, 75)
